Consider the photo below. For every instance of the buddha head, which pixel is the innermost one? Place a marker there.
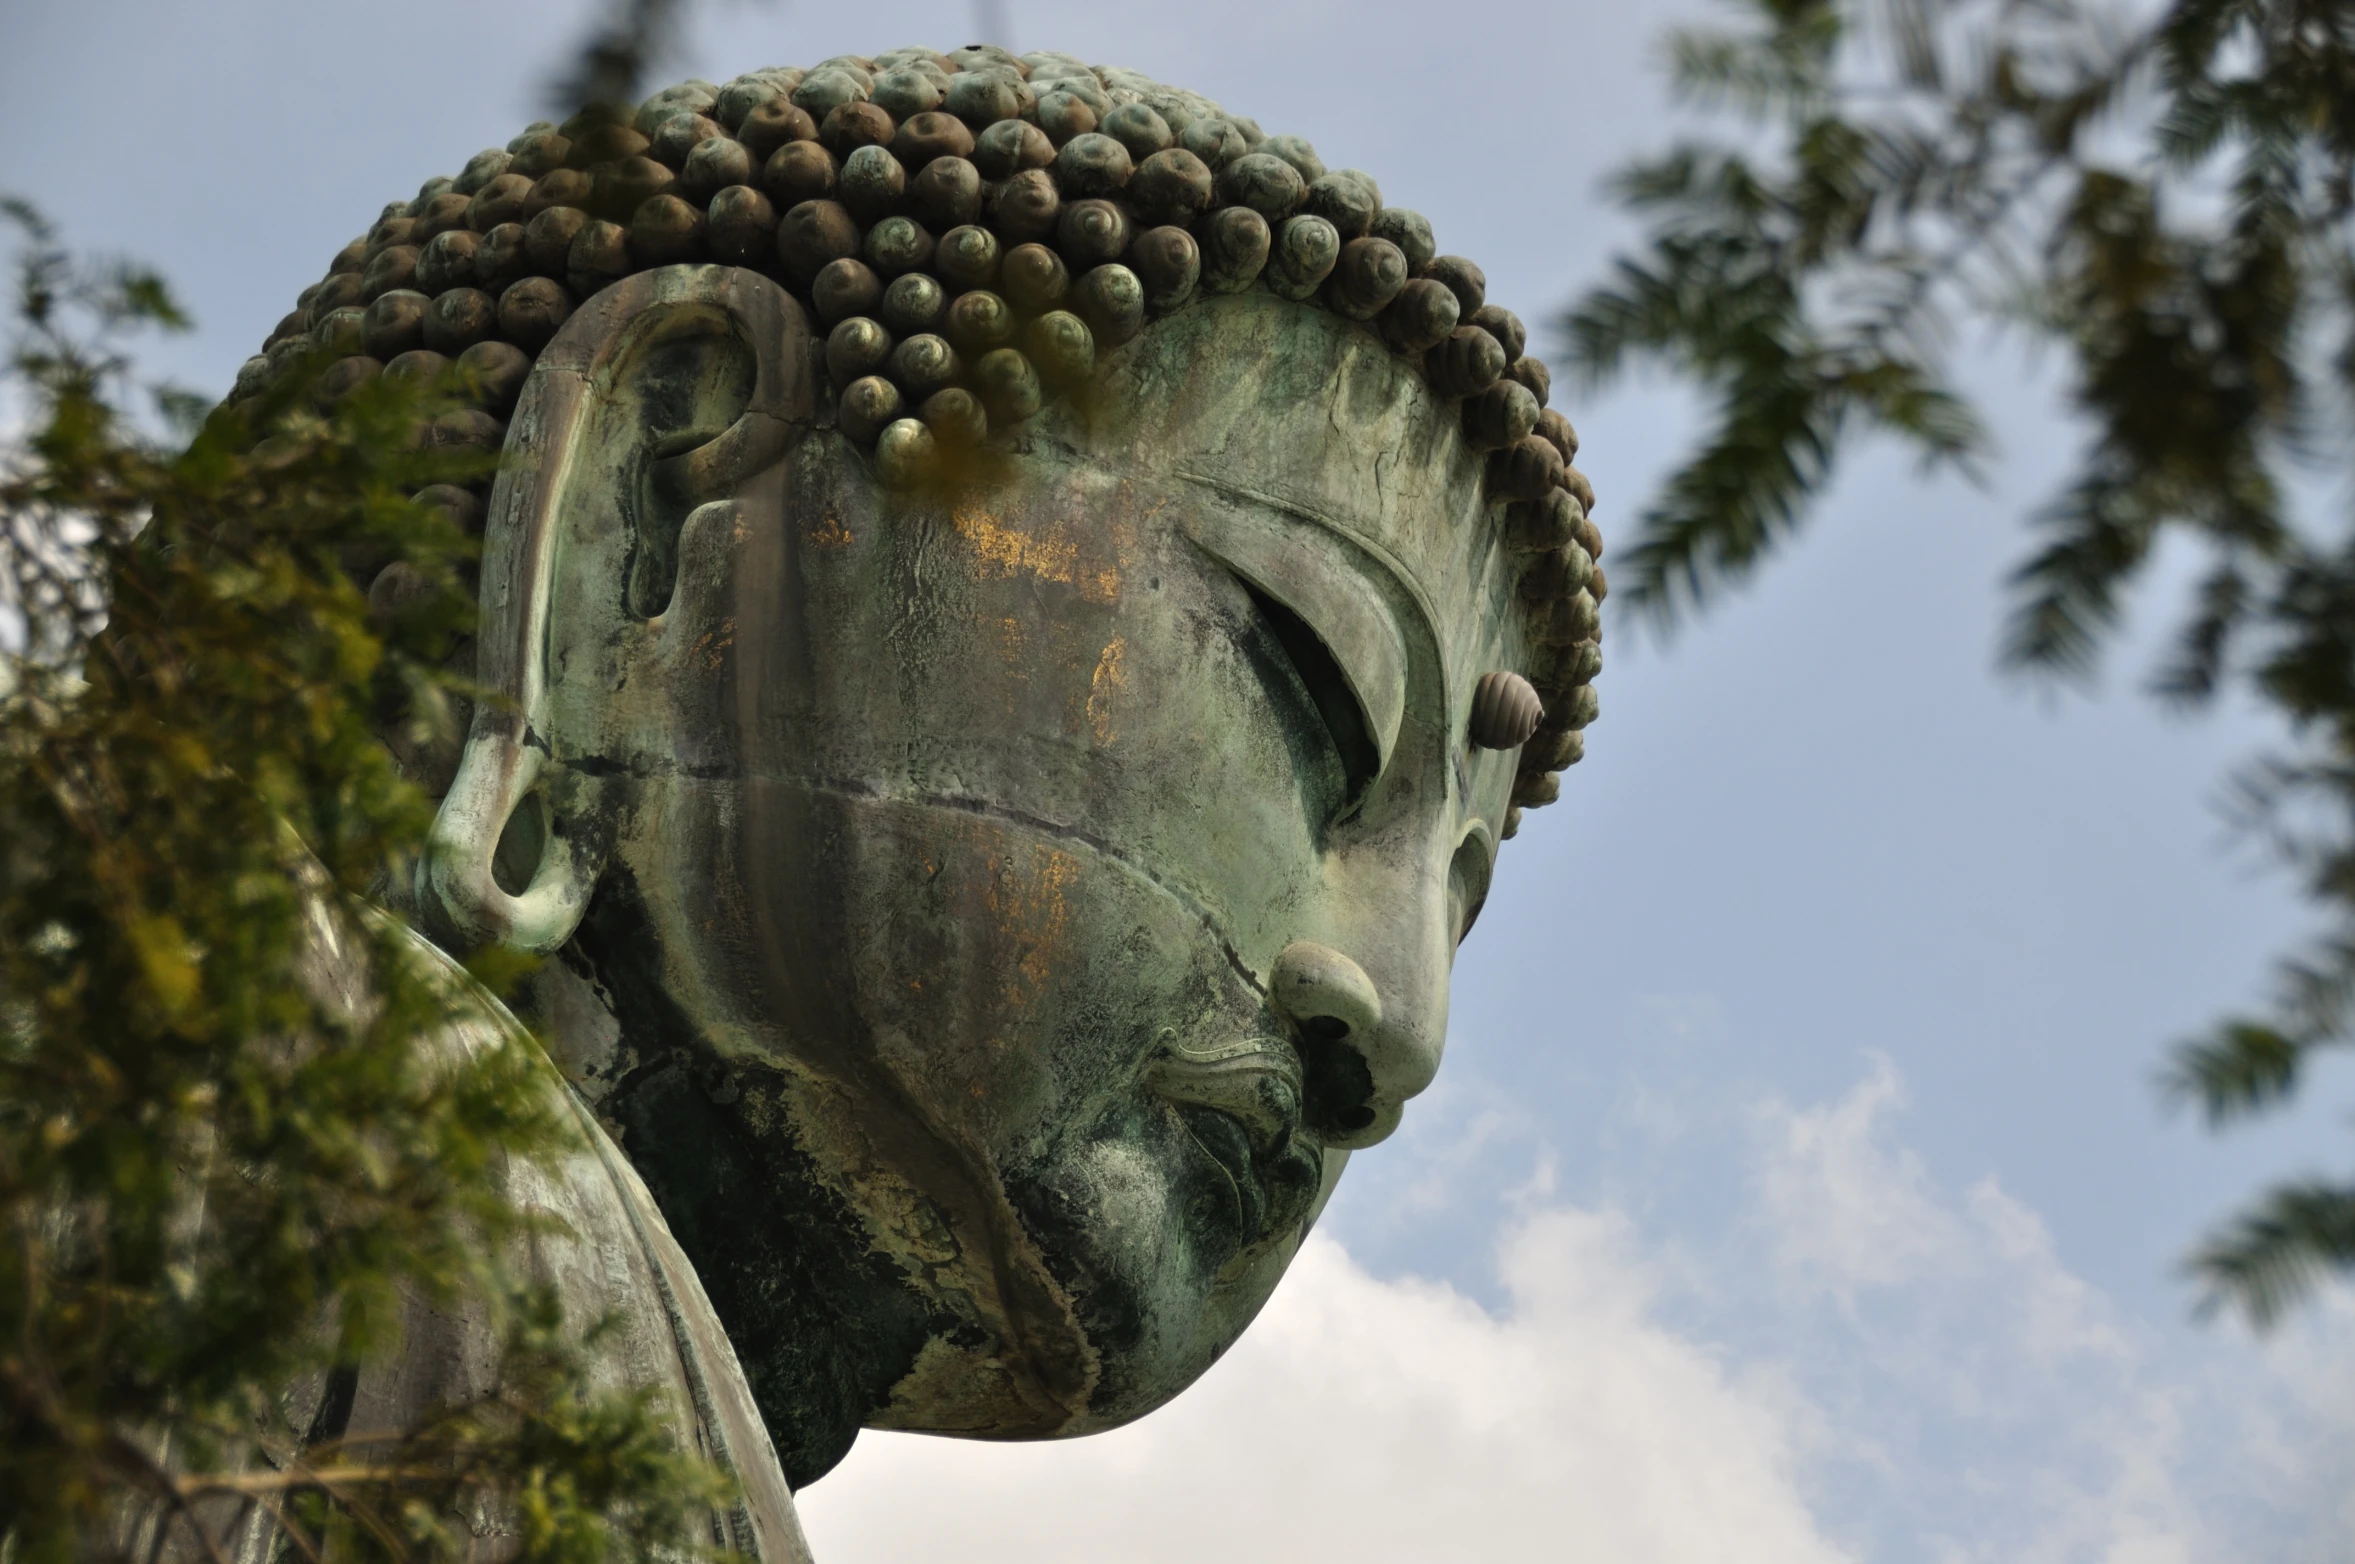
(1023, 610)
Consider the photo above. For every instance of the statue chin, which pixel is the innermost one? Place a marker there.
(987, 914)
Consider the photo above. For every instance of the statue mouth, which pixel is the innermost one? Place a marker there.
(1242, 1103)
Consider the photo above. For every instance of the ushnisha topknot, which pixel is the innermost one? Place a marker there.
(972, 231)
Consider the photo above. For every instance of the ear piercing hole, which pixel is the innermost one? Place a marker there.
(522, 844)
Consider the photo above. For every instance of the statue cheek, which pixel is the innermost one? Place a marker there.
(1010, 976)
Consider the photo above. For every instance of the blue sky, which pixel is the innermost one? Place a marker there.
(1795, 1185)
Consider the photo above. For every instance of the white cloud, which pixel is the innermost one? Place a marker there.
(1865, 1366)
(1847, 1213)
(1384, 1420)
(1984, 1402)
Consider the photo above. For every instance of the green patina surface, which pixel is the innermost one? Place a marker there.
(1007, 900)
(994, 894)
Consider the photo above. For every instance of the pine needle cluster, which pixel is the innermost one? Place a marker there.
(225, 1162)
(2167, 196)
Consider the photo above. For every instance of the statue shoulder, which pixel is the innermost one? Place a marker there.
(604, 1251)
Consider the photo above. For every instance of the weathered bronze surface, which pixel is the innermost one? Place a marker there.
(1019, 639)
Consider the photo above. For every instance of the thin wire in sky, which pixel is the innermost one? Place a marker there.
(991, 23)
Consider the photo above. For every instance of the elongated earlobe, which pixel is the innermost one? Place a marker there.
(491, 801)
(666, 391)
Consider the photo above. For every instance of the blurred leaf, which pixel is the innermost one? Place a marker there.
(217, 1179)
(2272, 1255)
(2168, 199)
(611, 66)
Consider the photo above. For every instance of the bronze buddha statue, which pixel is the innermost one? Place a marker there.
(1024, 609)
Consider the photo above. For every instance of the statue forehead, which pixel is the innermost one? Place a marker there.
(1252, 415)
(1032, 250)
(1292, 410)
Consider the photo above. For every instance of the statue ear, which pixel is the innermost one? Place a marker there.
(671, 389)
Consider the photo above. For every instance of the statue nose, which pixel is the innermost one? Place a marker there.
(1358, 1069)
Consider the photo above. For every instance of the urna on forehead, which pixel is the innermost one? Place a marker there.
(980, 239)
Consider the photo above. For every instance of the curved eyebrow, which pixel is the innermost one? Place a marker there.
(1309, 571)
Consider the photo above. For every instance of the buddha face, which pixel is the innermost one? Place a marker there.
(1013, 899)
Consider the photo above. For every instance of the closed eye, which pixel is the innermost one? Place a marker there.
(1344, 719)
(1335, 590)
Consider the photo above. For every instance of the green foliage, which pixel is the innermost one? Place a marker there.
(219, 1176)
(610, 65)
(2272, 1254)
(2170, 200)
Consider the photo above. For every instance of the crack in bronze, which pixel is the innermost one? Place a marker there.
(988, 809)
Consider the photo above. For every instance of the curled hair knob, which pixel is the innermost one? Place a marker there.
(1505, 711)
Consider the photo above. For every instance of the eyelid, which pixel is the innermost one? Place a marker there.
(1308, 573)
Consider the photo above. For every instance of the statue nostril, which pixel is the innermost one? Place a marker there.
(1335, 1019)
(1337, 1088)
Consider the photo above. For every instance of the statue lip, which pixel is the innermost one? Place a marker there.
(1241, 1101)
